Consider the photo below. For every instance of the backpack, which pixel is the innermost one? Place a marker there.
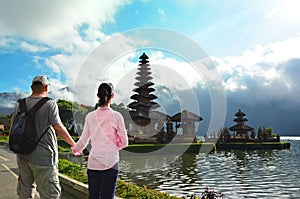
(23, 132)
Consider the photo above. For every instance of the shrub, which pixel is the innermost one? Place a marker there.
(63, 149)
(124, 189)
(129, 190)
(4, 138)
(72, 170)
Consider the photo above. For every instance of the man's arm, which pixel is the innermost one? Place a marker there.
(62, 132)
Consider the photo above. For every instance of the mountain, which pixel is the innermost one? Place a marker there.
(9, 99)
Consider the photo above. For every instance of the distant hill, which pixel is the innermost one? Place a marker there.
(9, 99)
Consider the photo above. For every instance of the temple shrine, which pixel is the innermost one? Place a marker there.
(185, 123)
(147, 125)
(241, 129)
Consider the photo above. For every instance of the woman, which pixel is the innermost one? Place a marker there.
(106, 130)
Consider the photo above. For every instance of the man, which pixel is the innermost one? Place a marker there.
(39, 169)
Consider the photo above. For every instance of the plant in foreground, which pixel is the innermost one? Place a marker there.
(124, 189)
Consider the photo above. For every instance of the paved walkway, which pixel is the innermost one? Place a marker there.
(9, 175)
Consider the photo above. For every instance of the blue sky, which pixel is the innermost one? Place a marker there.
(254, 45)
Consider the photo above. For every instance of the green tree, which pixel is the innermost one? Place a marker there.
(268, 133)
(71, 111)
(260, 134)
(7, 116)
(253, 134)
(226, 134)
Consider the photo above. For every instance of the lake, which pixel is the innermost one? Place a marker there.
(235, 173)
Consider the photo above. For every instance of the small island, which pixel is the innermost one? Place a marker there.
(245, 138)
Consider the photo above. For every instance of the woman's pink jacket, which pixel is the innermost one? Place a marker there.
(105, 129)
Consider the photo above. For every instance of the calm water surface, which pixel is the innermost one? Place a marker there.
(237, 174)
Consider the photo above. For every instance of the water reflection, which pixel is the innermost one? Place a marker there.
(237, 174)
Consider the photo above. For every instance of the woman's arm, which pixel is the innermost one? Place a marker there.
(83, 140)
(122, 141)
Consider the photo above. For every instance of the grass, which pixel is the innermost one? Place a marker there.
(129, 190)
(72, 170)
(4, 138)
(124, 189)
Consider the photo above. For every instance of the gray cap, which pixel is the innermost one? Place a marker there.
(42, 79)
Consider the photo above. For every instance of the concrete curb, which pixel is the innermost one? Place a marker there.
(73, 187)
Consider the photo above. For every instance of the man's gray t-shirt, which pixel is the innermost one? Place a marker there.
(46, 152)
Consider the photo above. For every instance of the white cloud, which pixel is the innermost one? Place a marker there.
(287, 11)
(240, 24)
(234, 84)
(32, 48)
(44, 20)
(161, 12)
(267, 73)
(176, 73)
(38, 26)
(11, 44)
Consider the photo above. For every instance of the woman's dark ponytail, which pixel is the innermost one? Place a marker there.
(105, 92)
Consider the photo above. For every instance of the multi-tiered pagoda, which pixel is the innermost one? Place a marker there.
(143, 99)
(241, 128)
(146, 125)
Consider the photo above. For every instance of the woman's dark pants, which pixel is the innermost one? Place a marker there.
(102, 184)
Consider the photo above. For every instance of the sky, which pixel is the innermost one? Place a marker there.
(252, 48)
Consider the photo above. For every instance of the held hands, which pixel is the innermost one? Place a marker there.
(76, 153)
